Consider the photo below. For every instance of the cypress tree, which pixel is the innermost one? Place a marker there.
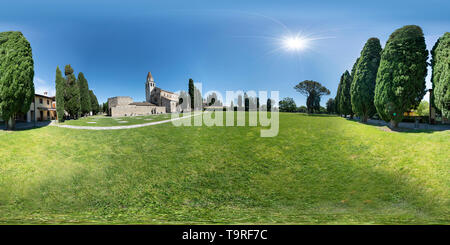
(337, 98)
(85, 98)
(354, 68)
(191, 92)
(16, 76)
(363, 80)
(440, 77)
(72, 93)
(94, 102)
(59, 87)
(246, 102)
(345, 105)
(400, 83)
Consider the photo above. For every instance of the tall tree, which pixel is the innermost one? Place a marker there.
(345, 105)
(246, 102)
(440, 77)
(337, 98)
(354, 67)
(313, 90)
(269, 104)
(72, 93)
(191, 92)
(331, 106)
(16, 76)
(94, 102)
(363, 80)
(59, 87)
(85, 97)
(400, 84)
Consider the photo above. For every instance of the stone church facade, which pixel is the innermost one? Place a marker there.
(159, 96)
(158, 101)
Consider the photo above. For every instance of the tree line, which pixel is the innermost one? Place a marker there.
(243, 101)
(73, 95)
(391, 81)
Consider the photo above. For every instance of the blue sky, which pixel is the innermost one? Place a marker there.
(225, 45)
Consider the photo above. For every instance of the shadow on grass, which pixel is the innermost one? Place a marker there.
(27, 126)
(401, 129)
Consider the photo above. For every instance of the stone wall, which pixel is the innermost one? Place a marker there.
(119, 101)
(170, 105)
(133, 110)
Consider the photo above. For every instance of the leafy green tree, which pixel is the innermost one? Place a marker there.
(423, 109)
(302, 109)
(354, 67)
(313, 90)
(72, 93)
(345, 105)
(85, 97)
(287, 105)
(440, 77)
(94, 102)
(331, 106)
(59, 87)
(16, 76)
(400, 84)
(105, 107)
(364, 76)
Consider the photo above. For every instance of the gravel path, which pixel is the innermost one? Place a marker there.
(117, 127)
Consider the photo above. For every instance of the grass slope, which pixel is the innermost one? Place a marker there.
(318, 170)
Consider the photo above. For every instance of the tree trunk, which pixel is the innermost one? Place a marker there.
(11, 123)
(364, 118)
(394, 124)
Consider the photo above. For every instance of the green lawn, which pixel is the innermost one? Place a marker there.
(318, 170)
(116, 121)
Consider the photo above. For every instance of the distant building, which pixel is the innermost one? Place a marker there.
(157, 101)
(159, 96)
(42, 108)
(120, 106)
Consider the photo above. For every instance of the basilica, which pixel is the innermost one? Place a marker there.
(157, 101)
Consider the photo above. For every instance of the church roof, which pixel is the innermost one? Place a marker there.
(150, 77)
(142, 104)
(168, 91)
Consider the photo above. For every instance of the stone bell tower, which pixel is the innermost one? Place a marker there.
(149, 86)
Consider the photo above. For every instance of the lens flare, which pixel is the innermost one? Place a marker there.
(296, 43)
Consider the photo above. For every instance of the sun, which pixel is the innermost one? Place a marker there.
(296, 43)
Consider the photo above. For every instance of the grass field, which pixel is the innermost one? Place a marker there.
(318, 170)
(116, 121)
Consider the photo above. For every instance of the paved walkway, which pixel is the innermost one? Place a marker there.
(117, 127)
